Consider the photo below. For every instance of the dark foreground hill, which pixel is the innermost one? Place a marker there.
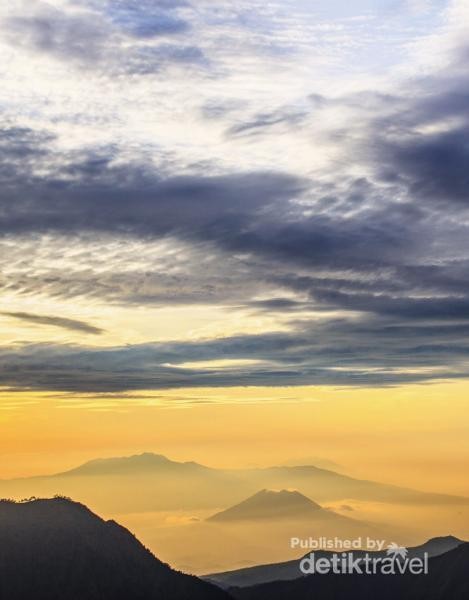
(447, 579)
(59, 550)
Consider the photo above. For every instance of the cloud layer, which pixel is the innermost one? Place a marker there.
(354, 237)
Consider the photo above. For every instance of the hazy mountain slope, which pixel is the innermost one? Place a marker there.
(145, 482)
(59, 550)
(152, 482)
(133, 465)
(290, 569)
(270, 504)
(448, 579)
(324, 485)
(271, 518)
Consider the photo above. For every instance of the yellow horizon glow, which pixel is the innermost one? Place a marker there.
(415, 435)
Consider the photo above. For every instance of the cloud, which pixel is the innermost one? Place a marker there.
(148, 60)
(262, 123)
(22, 143)
(124, 38)
(432, 167)
(50, 31)
(340, 352)
(418, 140)
(148, 19)
(71, 324)
(362, 257)
(65, 199)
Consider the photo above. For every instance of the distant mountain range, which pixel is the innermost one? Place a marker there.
(152, 482)
(290, 570)
(447, 579)
(59, 550)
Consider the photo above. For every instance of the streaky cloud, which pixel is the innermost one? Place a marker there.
(63, 323)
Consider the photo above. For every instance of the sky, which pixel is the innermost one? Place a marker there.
(211, 211)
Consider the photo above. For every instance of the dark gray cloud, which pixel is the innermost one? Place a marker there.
(262, 123)
(388, 249)
(375, 254)
(148, 19)
(91, 193)
(419, 140)
(81, 38)
(21, 149)
(114, 38)
(63, 323)
(366, 352)
(431, 167)
(22, 143)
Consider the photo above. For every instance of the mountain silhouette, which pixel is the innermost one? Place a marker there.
(59, 550)
(139, 463)
(269, 504)
(447, 579)
(437, 546)
(289, 570)
(148, 482)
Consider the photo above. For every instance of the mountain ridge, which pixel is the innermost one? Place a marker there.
(447, 579)
(289, 570)
(52, 549)
(211, 487)
(265, 504)
(145, 460)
